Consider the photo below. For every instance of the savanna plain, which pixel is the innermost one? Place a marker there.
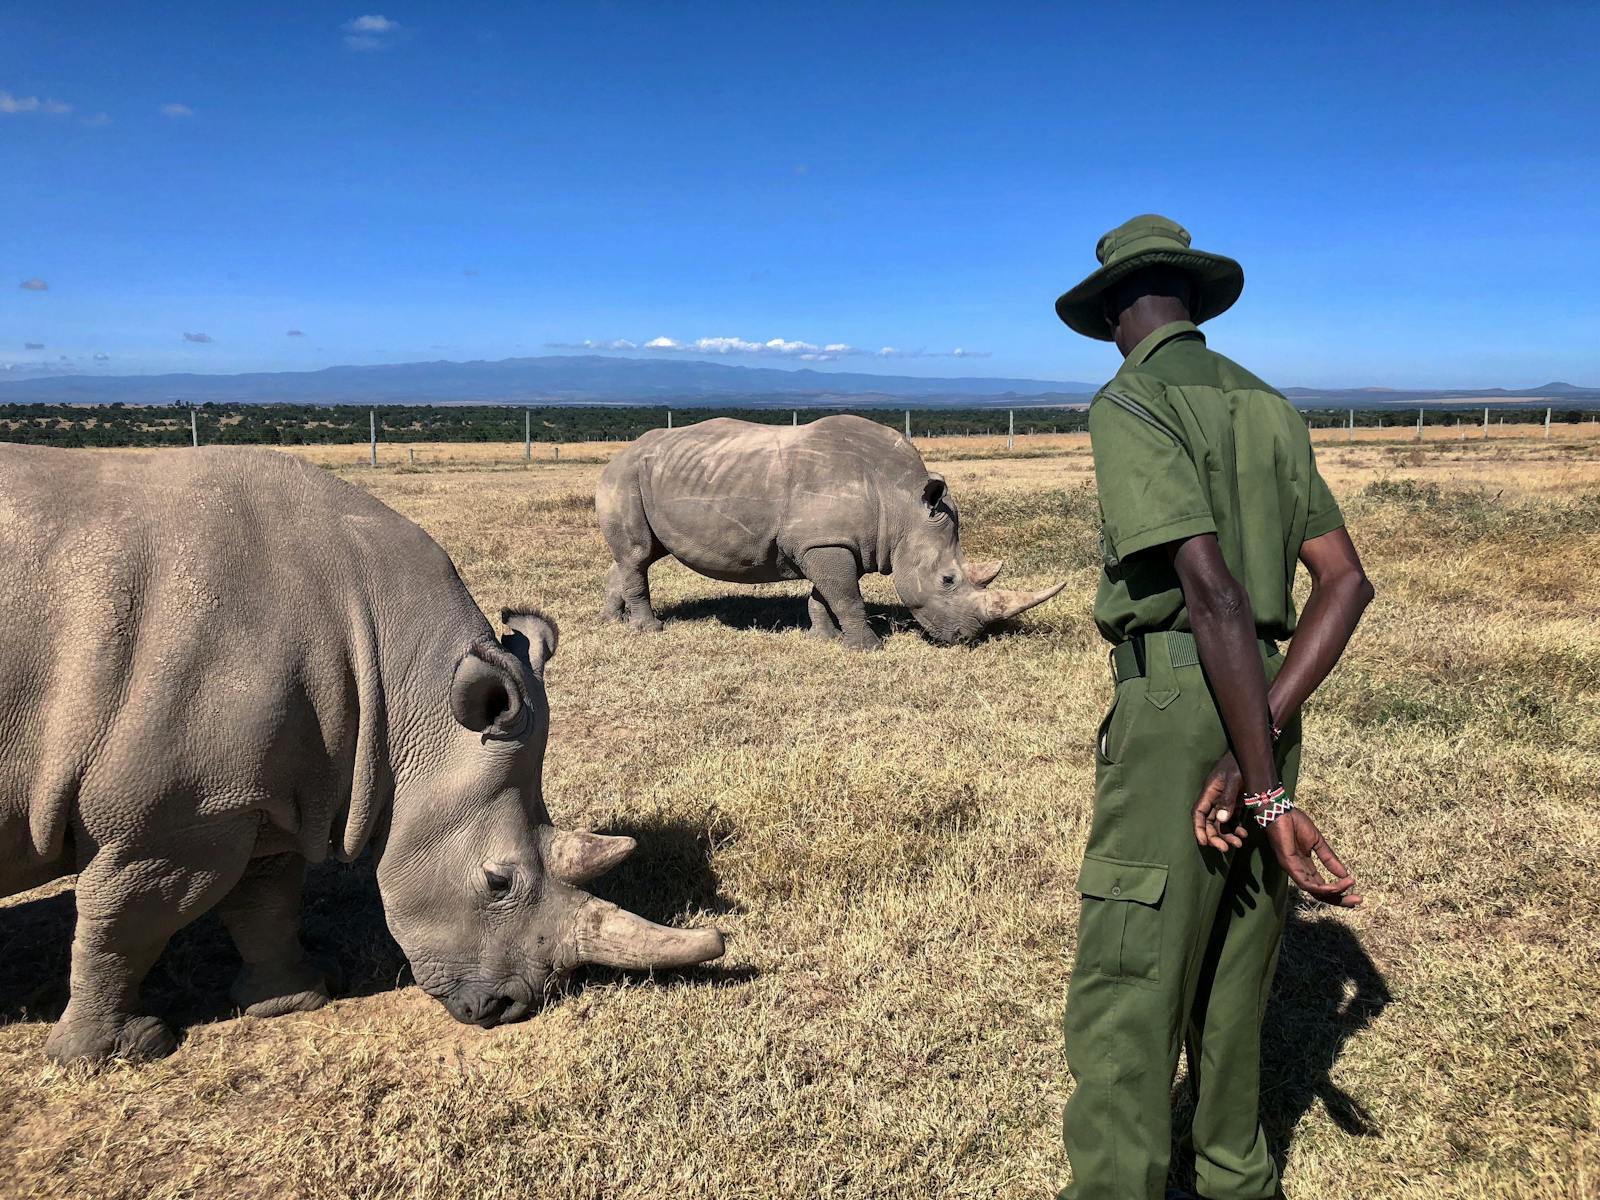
(891, 842)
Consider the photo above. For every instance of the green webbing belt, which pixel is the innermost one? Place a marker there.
(1181, 650)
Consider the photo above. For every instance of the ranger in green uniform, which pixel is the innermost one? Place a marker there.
(1209, 495)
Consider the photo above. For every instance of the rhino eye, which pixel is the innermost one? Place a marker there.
(948, 579)
(498, 883)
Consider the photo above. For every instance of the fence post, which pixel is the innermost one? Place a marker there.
(558, 453)
(1419, 424)
(194, 428)
(372, 424)
(411, 452)
(1011, 430)
(908, 424)
(669, 418)
(527, 436)
(1486, 424)
(1547, 422)
(1352, 436)
(796, 421)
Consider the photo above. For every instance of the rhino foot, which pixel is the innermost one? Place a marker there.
(646, 624)
(132, 1038)
(863, 641)
(266, 992)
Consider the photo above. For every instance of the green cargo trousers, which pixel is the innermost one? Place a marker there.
(1177, 944)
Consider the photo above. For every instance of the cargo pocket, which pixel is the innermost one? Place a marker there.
(1119, 934)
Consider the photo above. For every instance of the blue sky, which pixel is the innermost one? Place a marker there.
(1412, 189)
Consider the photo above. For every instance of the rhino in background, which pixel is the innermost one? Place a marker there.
(218, 665)
(827, 502)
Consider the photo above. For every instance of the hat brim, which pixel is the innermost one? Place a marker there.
(1218, 282)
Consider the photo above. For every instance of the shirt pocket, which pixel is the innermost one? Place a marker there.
(1121, 928)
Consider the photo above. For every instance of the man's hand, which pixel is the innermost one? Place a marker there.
(1218, 815)
(1222, 822)
(1299, 846)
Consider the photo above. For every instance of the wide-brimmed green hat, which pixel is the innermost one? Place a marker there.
(1150, 241)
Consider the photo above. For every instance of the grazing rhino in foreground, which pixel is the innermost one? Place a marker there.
(219, 665)
(827, 502)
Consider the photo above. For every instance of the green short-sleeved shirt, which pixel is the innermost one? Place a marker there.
(1187, 442)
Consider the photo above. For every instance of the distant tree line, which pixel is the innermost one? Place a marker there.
(297, 424)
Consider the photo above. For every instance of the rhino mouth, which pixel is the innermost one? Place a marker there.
(486, 1005)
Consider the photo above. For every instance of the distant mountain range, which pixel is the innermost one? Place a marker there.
(593, 379)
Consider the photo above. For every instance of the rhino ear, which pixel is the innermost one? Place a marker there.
(486, 695)
(532, 638)
(933, 491)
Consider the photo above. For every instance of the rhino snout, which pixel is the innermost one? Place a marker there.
(489, 1004)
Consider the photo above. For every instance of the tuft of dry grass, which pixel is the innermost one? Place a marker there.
(891, 841)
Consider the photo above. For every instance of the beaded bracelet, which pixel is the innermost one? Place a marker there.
(1268, 806)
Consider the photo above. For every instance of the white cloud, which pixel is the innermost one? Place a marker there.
(96, 120)
(98, 357)
(176, 110)
(34, 285)
(32, 104)
(771, 348)
(198, 337)
(371, 32)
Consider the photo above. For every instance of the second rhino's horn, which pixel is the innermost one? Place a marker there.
(600, 933)
(983, 574)
(574, 856)
(1003, 605)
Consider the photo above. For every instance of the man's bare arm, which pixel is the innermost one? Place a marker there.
(1225, 635)
(1340, 593)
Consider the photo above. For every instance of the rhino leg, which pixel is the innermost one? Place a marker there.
(634, 546)
(128, 908)
(628, 596)
(823, 627)
(262, 914)
(835, 577)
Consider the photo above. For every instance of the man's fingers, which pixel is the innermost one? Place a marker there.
(1329, 859)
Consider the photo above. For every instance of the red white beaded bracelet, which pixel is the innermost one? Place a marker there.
(1268, 806)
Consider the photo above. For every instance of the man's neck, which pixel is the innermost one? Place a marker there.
(1144, 316)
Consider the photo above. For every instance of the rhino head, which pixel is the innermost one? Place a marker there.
(478, 887)
(950, 597)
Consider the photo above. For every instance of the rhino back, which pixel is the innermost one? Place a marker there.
(188, 631)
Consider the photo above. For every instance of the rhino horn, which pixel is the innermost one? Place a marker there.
(604, 935)
(983, 574)
(574, 856)
(1003, 605)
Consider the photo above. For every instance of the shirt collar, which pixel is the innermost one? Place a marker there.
(1173, 331)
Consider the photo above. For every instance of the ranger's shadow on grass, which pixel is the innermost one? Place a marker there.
(1327, 991)
(343, 924)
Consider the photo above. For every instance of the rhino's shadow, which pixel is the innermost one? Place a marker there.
(774, 614)
(1327, 990)
(343, 922)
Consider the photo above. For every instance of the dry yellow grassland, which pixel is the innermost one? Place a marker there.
(891, 841)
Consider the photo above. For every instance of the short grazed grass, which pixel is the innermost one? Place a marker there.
(891, 842)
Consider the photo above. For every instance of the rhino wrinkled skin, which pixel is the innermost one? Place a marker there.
(828, 502)
(219, 665)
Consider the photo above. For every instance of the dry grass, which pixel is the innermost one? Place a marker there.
(891, 841)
